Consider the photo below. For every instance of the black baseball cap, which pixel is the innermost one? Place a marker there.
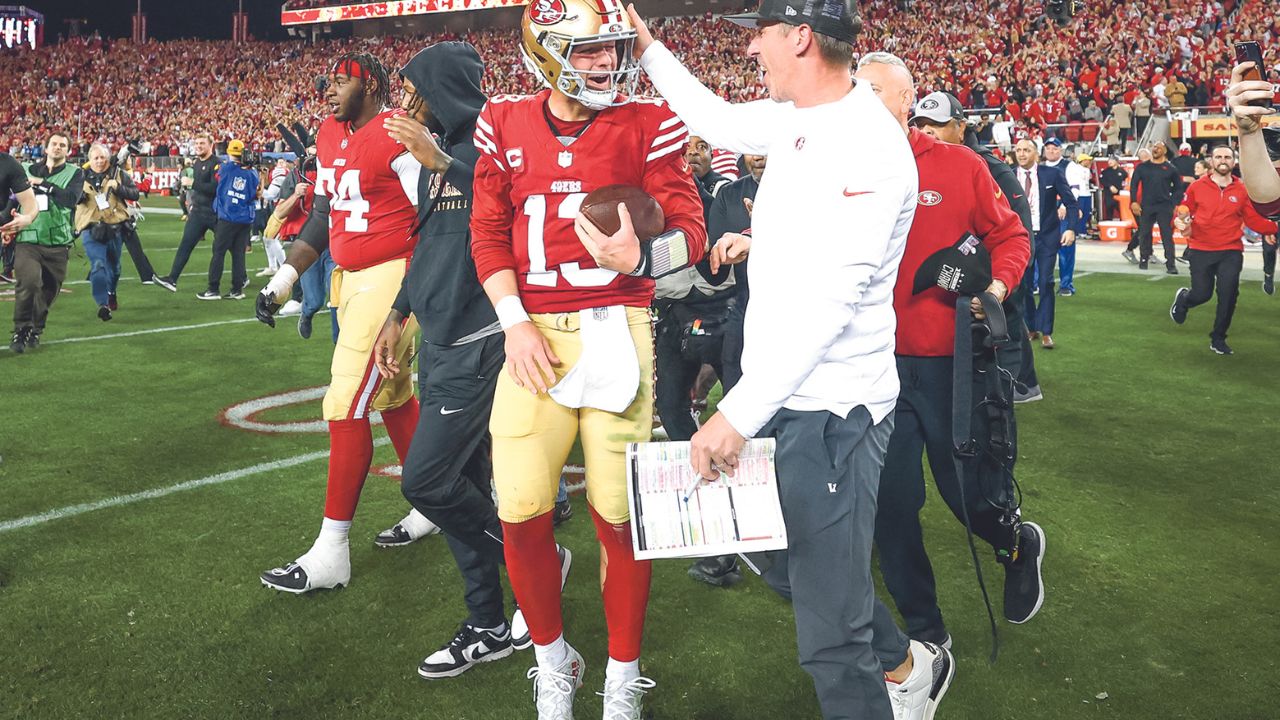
(832, 18)
(963, 268)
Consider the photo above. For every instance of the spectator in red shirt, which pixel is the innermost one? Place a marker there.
(1217, 205)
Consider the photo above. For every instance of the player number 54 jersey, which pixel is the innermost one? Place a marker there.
(529, 187)
(372, 185)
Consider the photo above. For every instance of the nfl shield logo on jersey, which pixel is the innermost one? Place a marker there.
(565, 158)
(238, 184)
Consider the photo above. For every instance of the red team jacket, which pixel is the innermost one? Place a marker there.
(957, 194)
(529, 188)
(371, 218)
(1219, 212)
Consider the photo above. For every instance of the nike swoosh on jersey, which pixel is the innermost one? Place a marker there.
(855, 194)
(444, 411)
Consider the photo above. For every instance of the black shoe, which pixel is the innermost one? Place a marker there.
(19, 342)
(1142, 264)
(1023, 583)
(1183, 259)
(720, 571)
(563, 512)
(7, 276)
(1178, 310)
(234, 295)
(1171, 270)
(304, 326)
(166, 283)
(289, 578)
(104, 313)
(467, 649)
(1269, 284)
(209, 295)
(1128, 255)
(33, 338)
(1221, 347)
(113, 302)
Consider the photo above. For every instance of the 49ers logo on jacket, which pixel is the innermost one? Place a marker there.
(929, 198)
(546, 12)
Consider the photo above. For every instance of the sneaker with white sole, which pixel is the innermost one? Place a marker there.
(209, 295)
(520, 637)
(468, 648)
(1023, 579)
(289, 309)
(554, 688)
(413, 527)
(917, 697)
(315, 570)
(623, 699)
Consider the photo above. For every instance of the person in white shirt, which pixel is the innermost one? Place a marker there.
(829, 225)
(1080, 178)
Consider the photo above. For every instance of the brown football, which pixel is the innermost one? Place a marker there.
(601, 208)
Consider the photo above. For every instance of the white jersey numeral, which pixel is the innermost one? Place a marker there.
(346, 197)
(535, 208)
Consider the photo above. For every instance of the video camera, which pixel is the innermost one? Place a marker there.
(249, 158)
(133, 147)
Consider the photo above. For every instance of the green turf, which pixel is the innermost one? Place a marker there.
(1148, 465)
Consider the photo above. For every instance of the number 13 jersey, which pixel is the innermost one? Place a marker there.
(372, 185)
(529, 187)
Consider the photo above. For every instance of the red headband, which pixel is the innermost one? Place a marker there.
(350, 68)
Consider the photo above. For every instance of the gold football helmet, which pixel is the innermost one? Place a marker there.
(550, 31)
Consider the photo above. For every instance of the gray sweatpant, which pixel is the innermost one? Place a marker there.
(829, 477)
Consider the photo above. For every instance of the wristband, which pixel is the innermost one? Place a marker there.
(510, 312)
(663, 255)
(282, 282)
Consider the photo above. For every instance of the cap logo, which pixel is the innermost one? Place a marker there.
(790, 11)
(929, 198)
(928, 104)
(546, 12)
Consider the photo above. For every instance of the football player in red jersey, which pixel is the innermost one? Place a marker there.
(574, 304)
(365, 212)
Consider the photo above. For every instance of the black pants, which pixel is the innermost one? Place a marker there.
(828, 472)
(1222, 267)
(1110, 206)
(1152, 217)
(229, 237)
(1268, 258)
(676, 374)
(1039, 309)
(38, 272)
(922, 427)
(731, 350)
(133, 244)
(7, 251)
(198, 223)
(1020, 361)
(1140, 125)
(448, 471)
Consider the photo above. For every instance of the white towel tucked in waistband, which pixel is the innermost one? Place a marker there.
(607, 373)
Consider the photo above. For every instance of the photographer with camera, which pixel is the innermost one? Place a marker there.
(102, 218)
(41, 250)
(235, 205)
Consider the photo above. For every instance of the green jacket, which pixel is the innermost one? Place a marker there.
(53, 226)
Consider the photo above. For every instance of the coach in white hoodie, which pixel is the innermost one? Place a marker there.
(829, 224)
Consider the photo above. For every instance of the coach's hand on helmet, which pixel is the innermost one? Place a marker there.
(644, 38)
(620, 251)
(384, 347)
(530, 358)
(266, 307)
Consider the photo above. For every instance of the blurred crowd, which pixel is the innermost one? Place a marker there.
(1003, 55)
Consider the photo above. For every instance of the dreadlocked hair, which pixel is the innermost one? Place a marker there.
(376, 71)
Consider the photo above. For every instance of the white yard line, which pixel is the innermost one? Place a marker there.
(151, 331)
(73, 510)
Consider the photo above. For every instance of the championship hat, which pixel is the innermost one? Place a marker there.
(832, 18)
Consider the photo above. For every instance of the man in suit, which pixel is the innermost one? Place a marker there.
(1046, 187)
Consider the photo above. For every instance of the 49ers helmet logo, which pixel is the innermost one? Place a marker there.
(546, 12)
(929, 198)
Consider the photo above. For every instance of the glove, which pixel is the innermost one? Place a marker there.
(266, 307)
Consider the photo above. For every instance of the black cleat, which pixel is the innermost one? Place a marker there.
(721, 571)
(1023, 582)
(1269, 284)
(1178, 310)
(1142, 264)
(468, 648)
(562, 512)
(33, 338)
(1221, 347)
(19, 342)
(104, 313)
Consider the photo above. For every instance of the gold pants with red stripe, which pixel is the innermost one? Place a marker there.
(363, 298)
(533, 434)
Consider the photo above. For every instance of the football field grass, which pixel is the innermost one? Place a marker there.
(135, 518)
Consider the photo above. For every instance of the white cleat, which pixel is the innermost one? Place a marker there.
(623, 699)
(554, 688)
(412, 528)
(315, 570)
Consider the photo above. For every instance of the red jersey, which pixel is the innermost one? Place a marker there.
(372, 185)
(957, 195)
(529, 187)
(1218, 213)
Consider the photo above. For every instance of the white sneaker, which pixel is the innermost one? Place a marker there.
(553, 689)
(293, 307)
(317, 569)
(413, 527)
(266, 272)
(917, 697)
(623, 698)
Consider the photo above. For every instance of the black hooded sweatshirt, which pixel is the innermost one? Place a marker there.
(441, 287)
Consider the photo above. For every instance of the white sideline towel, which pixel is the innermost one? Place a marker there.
(607, 373)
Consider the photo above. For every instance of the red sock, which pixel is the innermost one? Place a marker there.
(350, 454)
(534, 570)
(400, 424)
(625, 587)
